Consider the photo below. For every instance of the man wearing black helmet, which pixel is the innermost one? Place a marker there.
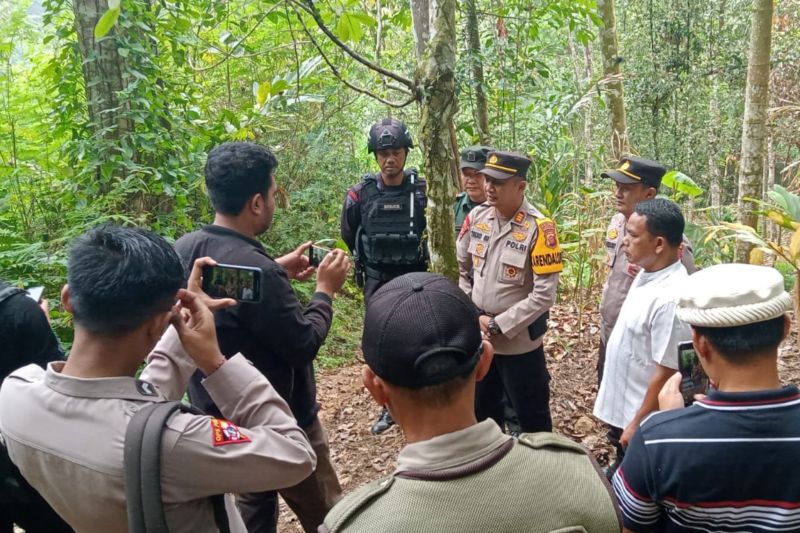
(383, 218)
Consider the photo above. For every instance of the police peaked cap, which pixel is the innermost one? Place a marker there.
(388, 133)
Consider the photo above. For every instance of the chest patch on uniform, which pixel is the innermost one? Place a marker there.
(519, 236)
(483, 227)
(224, 432)
(516, 246)
(391, 207)
(476, 261)
(546, 254)
(612, 234)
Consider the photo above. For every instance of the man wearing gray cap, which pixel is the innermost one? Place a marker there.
(424, 353)
(729, 462)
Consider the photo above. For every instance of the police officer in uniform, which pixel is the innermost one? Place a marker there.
(515, 258)
(383, 218)
(636, 179)
(473, 159)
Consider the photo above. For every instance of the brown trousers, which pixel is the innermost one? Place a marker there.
(311, 499)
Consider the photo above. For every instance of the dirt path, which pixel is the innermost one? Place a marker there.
(571, 345)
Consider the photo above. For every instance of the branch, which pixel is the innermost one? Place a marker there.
(228, 55)
(312, 10)
(347, 83)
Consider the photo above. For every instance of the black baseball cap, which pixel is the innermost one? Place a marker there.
(420, 329)
(634, 169)
(504, 165)
(474, 156)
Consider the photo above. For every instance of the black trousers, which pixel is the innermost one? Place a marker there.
(526, 382)
(310, 500)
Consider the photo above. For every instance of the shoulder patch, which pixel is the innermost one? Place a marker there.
(546, 255)
(519, 217)
(464, 227)
(224, 432)
(550, 440)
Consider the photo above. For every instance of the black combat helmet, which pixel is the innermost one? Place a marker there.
(388, 133)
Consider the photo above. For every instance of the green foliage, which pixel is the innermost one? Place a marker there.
(200, 72)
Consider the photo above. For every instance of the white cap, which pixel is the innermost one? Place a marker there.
(732, 295)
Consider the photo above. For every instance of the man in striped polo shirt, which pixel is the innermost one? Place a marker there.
(731, 461)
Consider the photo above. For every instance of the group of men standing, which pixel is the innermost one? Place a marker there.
(444, 358)
(508, 253)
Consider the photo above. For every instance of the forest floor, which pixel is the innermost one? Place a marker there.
(571, 349)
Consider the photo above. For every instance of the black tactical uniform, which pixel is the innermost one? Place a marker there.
(384, 225)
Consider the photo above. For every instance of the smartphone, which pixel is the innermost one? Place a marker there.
(693, 378)
(241, 283)
(35, 293)
(316, 254)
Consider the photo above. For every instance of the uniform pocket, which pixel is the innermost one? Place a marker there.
(512, 267)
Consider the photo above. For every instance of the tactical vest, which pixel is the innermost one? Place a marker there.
(390, 234)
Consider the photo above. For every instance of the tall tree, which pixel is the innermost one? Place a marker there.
(436, 72)
(754, 129)
(481, 110)
(611, 70)
(103, 71)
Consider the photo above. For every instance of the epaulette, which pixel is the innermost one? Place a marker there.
(350, 505)
(538, 441)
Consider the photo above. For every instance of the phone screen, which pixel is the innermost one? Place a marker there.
(693, 378)
(232, 281)
(35, 293)
(316, 254)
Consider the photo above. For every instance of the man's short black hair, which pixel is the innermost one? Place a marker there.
(664, 219)
(738, 343)
(120, 277)
(235, 172)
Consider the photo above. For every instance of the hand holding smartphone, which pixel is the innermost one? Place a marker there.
(694, 379)
(232, 281)
(316, 254)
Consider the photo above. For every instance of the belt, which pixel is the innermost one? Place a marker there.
(380, 276)
(482, 312)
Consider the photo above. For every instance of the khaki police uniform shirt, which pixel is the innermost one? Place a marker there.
(66, 435)
(505, 284)
(620, 275)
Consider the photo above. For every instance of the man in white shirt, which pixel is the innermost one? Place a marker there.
(642, 351)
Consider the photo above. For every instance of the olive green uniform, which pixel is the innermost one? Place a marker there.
(479, 480)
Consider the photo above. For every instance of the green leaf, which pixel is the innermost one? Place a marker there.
(105, 23)
(678, 181)
(278, 86)
(264, 90)
(123, 52)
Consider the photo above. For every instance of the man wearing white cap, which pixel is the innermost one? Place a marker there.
(731, 461)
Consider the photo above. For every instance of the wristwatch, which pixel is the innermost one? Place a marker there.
(493, 328)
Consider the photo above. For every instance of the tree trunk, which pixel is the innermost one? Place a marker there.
(420, 16)
(587, 118)
(476, 67)
(436, 72)
(614, 93)
(103, 71)
(751, 169)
